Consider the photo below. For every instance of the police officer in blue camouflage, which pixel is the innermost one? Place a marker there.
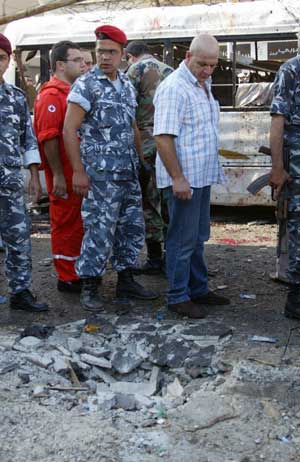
(285, 173)
(18, 147)
(101, 104)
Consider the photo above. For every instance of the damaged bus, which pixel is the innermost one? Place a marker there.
(254, 41)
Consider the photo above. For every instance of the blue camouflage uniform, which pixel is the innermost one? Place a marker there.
(286, 102)
(18, 147)
(112, 213)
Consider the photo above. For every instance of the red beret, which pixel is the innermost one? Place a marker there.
(5, 44)
(115, 34)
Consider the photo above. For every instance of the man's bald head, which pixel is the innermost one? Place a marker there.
(205, 44)
(202, 57)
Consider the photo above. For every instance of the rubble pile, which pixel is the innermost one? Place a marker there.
(113, 362)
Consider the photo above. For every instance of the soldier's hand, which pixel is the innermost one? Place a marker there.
(35, 189)
(81, 183)
(278, 177)
(182, 189)
(59, 185)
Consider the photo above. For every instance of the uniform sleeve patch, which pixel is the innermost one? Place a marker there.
(51, 108)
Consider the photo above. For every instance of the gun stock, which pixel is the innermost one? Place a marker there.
(258, 184)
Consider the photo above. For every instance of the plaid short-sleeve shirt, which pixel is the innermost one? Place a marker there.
(185, 110)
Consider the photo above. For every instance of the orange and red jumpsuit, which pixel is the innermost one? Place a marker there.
(65, 212)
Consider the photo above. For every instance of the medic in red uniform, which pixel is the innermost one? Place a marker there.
(65, 206)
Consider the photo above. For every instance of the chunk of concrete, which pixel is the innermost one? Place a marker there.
(198, 363)
(60, 365)
(97, 373)
(39, 391)
(124, 362)
(99, 362)
(106, 400)
(171, 353)
(6, 367)
(74, 345)
(174, 390)
(97, 352)
(142, 401)
(126, 402)
(39, 360)
(31, 342)
(142, 388)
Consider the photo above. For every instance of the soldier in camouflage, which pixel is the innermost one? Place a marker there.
(285, 144)
(18, 148)
(146, 73)
(101, 104)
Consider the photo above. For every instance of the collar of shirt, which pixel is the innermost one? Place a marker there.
(100, 74)
(189, 76)
(146, 56)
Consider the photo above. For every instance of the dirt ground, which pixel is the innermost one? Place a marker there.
(264, 418)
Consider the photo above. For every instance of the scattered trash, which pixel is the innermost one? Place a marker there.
(284, 439)
(91, 328)
(248, 296)
(258, 338)
(160, 315)
(222, 287)
(3, 299)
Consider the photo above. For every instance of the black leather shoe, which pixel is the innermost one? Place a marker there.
(26, 301)
(151, 267)
(188, 309)
(292, 306)
(211, 298)
(70, 286)
(127, 287)
(89, 298)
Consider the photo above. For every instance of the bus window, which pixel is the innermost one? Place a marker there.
(256, 71)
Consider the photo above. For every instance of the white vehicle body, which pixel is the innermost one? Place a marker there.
(254, 38)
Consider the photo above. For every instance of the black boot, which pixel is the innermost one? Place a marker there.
(127, 287)
(154, 264)
(26, 301)
(292, 306)
(89, 298)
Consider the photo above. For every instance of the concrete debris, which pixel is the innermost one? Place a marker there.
(31, 342)
(8, 367)
(198, 363)
(124, 362)
(98, 352)
(142, 388)
(93, 360)
(126, 402)
(38, 360)
(123, 365)
(39, 391)
(99, 374)
(106, 400)
(174, 390)
(74, 344)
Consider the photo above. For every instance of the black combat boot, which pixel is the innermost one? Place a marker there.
(154, 264)
(26, 301)
(89, 298)
(292, 306)
(127, 287)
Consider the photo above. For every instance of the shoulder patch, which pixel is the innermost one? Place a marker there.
(51, 108)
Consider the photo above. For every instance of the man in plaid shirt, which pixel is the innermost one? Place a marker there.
(186, 126)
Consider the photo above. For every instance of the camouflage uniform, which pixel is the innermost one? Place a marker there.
(112, 213)
(286, 102)
(18, 147)
(146, 74)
